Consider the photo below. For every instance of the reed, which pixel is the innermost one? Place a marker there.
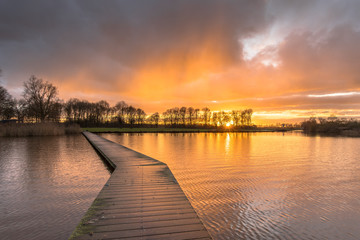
(37, 129)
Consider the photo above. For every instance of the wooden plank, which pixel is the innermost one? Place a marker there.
(95, 221)
(141, 200)
(175, 236)
(126, 205)
(146, 225)
(141, 194)
(146, 209)
(146, 232)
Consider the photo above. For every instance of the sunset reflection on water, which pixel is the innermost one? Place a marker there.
(263, 185)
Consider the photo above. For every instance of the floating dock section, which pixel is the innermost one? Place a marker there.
(141, 200)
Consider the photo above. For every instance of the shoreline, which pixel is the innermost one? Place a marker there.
(38, 129)
(178, 130)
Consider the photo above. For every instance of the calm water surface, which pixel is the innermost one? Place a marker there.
(263, 185)
(46, 185)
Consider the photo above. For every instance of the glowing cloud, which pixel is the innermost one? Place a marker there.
(333, 94)
(267, 55)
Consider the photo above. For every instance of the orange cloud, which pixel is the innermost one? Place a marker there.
(267, 55)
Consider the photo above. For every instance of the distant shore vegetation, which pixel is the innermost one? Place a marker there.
(332, 126)
(40, 104)
(163, 129)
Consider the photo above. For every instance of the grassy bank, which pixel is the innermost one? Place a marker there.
(37, 129)
(173, 130)
(145, 130)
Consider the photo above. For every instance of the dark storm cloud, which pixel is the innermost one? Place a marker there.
(136, 30)
(189, 50)
(65, 39)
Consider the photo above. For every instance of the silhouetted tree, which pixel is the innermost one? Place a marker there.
(177, 115)
(140, 116)
(71, 109)
(196, 115)
(206, 115)
(183, 114)
(248, 114)
(7, 104)
(310, 126)
(131, 115)
(236, 116)
(85, 110)
(102, 109)
(215, 118)
(41, 98)
(154, 119)
(166, 117)
(190, 111)
(120, 109)
(20, 110)
(223, 118)
(55, 112)
(243, 118)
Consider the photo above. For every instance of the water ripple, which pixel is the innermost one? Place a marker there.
(47, 184)
(263, 185)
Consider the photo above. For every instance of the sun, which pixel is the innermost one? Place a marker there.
(228, 124)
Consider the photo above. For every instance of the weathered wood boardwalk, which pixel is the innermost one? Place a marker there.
(141, 200)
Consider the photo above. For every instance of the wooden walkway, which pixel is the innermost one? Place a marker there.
(141, 200)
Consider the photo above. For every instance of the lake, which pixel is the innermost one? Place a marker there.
(46, 185)
(263, 185)
(242, 185)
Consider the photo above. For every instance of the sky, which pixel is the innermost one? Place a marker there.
(285, 59)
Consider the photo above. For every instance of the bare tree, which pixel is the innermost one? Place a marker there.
(154, 118)
(183, 114)
(190, 111)
(246, 116)
(223, 118)
(20, 110)
(55, 113)
(102, 111)
(215, 118)
(236, 115)
(140, 116)
(131, 115)
(243, 118)
(196, 112)
(120, 109)
(166, 117)
(206, 114)
(226, 118)
(41, 98)
(71, 109)
(249, 113)
(177, 115)
(7, 104)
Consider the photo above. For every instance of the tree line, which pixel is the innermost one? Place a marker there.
(331, 125)
(189, 116)
(40, 103)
